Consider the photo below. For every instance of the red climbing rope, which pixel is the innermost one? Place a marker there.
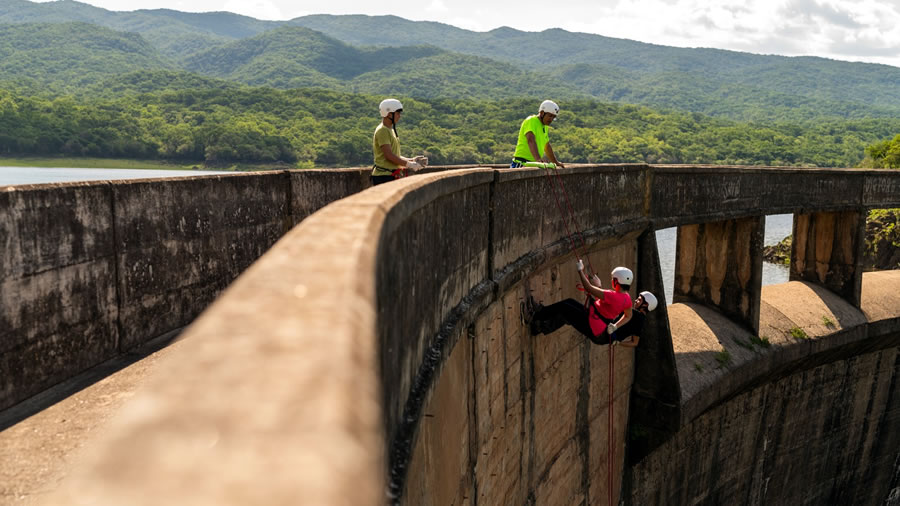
(563, 214)
(611, 451)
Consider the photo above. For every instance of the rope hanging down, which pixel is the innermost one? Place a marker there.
(611, 451)
(548, 169)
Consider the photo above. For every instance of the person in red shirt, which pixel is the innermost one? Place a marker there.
(600, 316)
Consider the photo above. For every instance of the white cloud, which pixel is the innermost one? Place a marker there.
(259, 9)
(437, 6)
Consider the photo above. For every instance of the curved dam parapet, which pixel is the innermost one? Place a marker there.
(375, 353)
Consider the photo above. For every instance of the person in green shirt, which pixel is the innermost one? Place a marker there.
(534, 137)
(389, 165)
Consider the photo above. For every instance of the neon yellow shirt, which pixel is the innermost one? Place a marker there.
(384, 135)
(541, 138)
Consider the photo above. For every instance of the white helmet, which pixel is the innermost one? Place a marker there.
(623, 275)
(650, 299)
(389, 105)
(549, 106)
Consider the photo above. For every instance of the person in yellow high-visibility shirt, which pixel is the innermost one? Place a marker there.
(389, 165)
(534, 137)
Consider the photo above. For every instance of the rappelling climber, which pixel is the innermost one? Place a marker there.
(389, 165)
(629, 334)
(534, 137)
(597, 318)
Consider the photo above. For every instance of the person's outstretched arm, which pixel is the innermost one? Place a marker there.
(549, 151)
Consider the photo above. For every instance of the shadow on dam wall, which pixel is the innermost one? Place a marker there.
(377, 347)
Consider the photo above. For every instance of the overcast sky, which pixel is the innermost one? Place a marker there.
(854, 30)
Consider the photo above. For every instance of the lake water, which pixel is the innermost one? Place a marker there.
(38, 175)
(777, 226)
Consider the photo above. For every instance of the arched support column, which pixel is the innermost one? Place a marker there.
(655, 412)
(827, 250)
(720, 264)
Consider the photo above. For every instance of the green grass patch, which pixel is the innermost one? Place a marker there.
(762, 342)
(698, 366)
(723, 358)
(828, 322)
(798, 333)
(744, 344)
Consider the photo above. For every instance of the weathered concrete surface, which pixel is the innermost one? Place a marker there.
(825, 435)
(215, 429)
(720, 264)
(91, 270)
(57, 291)
(430, 217)
(313, 189)
(208, 240)
(287, 414)
(695, 194)
(754, 414)
(41, 439)
(828, 249)
(531, 208)
(528, 415)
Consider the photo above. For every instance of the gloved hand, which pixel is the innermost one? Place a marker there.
(611, 328)
(421, 160)
(595, 280)
(413, 166)
(579, 265)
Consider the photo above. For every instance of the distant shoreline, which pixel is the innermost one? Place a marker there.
(52, 162)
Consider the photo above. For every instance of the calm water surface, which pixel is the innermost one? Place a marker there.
(38, 175)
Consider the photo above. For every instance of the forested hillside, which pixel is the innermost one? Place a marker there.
(60, 57)
(506, 63)
(219, 88)
(326, 128)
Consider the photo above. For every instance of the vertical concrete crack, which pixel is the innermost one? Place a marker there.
(117, 275)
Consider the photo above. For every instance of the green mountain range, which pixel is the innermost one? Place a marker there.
(71, 55)
(429, 60)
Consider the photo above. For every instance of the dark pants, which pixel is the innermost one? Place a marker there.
(570, 311)
(377, 180)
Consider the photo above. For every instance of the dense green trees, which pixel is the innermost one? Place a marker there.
(327, 128)
(884, 154)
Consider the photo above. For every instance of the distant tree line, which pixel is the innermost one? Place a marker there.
(313, 127)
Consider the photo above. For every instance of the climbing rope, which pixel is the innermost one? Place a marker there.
(548, 168)
(611, 451)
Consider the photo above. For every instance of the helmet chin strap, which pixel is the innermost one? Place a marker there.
(394, 125)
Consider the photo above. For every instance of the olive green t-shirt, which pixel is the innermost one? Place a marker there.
(541, 137)
(384, 135)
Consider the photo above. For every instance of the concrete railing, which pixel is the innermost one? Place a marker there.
(322, 370)
(91, 270)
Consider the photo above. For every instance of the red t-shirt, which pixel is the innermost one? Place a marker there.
(612, 305)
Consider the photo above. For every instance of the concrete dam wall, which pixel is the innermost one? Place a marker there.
(91, 270)
(377, 348)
